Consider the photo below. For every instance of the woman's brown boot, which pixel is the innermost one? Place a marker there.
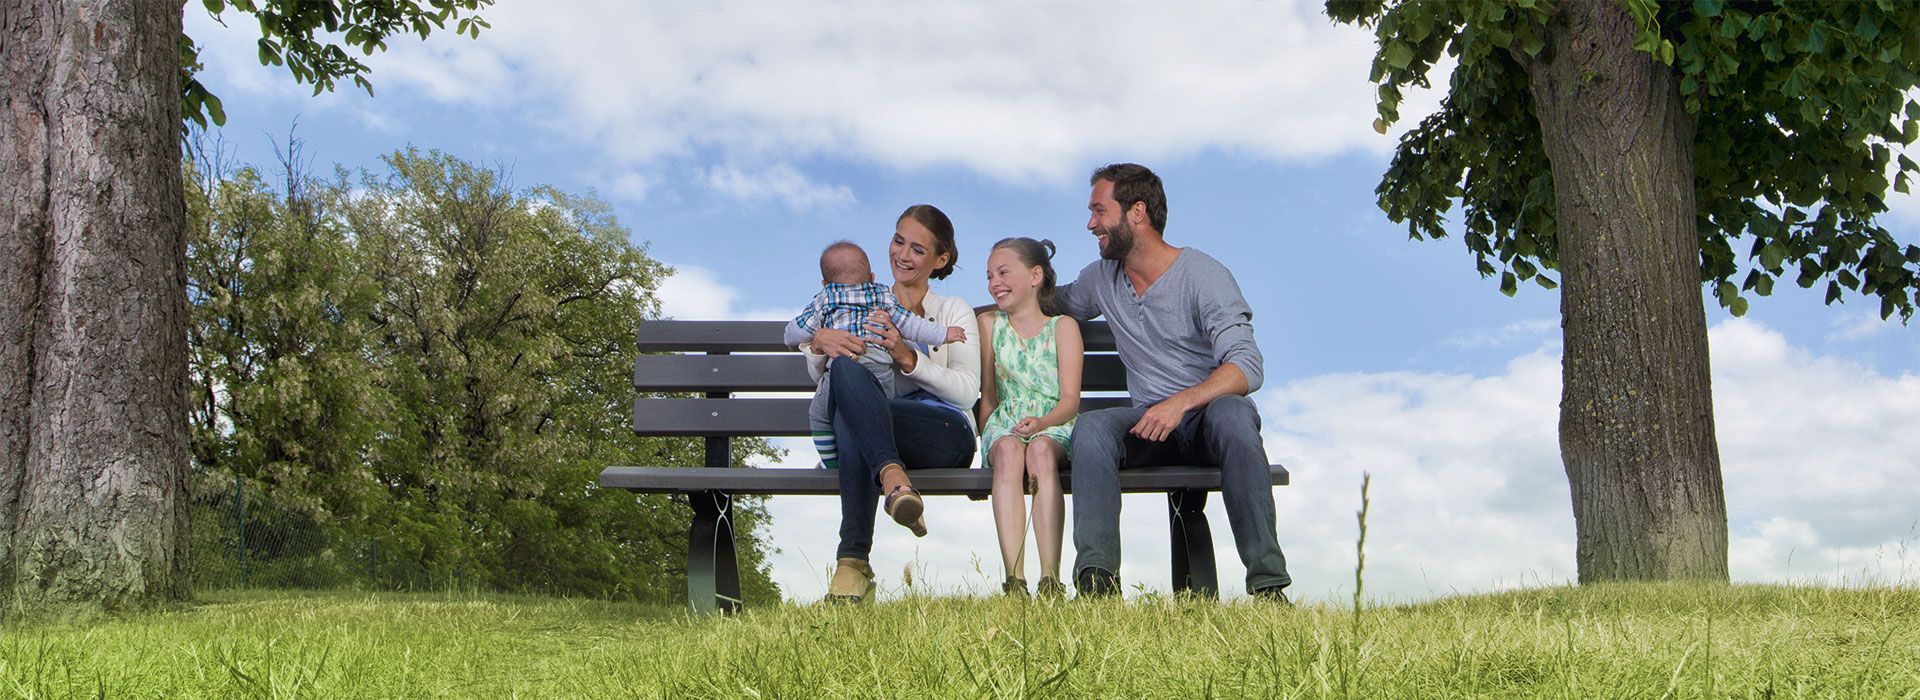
(852, 581)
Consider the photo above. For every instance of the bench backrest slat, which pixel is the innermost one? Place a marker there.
(711, 336)
(765, 336)
(788, 372)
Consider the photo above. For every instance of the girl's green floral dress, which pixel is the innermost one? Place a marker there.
(1026, 376)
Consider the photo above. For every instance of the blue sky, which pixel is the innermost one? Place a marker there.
(735, 140)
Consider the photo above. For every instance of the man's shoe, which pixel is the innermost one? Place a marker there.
(852, 581)
(1096, 582)
(1272, 594)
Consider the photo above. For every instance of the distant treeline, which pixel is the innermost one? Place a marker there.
(425, 366)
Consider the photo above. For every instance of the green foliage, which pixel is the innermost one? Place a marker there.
(1801, 110)
(1640, 640)
(311, 38)
(429, 359)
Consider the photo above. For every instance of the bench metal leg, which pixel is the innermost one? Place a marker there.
(713, 571)
(1193, 568)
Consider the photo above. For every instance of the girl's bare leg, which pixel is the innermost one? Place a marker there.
(1009, 459)
(1043, 458)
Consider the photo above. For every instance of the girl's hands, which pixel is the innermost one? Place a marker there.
(1028, 427)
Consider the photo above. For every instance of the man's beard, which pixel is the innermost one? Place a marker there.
(1119, 240)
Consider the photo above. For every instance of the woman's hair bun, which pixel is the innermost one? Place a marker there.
(1047, 243)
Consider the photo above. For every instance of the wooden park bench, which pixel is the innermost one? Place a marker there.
(713, 369)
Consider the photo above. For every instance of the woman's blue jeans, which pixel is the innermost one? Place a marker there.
(873, 431)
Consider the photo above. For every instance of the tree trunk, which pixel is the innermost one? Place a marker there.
(93, 432)
(1636, 408)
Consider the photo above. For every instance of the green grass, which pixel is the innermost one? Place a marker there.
(1643, 640)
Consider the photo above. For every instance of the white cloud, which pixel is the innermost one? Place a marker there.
(1858, 324)
(695, 293)
(1468, 491)
(779, 182)
(1013, 91)
(1527, 331)
(630, 186)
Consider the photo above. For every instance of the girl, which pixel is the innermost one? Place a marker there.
(1031, 357)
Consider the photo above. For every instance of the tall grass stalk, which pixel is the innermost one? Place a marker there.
(1349, 665)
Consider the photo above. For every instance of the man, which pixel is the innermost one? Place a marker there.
(1185, 335)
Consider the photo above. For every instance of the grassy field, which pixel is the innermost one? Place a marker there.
(1650, 641)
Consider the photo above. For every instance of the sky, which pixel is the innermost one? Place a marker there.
(736, 139)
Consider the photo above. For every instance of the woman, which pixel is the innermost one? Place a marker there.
(930, 425)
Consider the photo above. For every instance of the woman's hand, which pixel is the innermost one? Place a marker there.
(1028, 427)
(905, 358)
(834, 342)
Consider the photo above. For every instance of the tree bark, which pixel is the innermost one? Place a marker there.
(1636, 409)
(93, 432)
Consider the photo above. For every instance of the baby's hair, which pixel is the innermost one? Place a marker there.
(1032, 253)
(843, 260)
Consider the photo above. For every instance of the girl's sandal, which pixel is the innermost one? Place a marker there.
(1014, 587)
(905, 507)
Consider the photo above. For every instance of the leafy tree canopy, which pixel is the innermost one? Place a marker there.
(307, 36)
(432, 359)
(1801, 112)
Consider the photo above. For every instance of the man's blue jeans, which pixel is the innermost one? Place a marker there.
(873, 431)
(1224, 433)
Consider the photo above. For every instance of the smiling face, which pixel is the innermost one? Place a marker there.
(1109, 222)
(1011, 283)
(912, 255)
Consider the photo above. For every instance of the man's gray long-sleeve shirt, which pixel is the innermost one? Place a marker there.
(1190, 322)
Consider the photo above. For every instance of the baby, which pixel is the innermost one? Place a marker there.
(848, 295)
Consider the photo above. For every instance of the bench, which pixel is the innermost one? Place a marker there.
(704, 358)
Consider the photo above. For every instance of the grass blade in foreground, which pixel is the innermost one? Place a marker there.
(1610, 640)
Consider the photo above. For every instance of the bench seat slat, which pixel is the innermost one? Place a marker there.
(771, 417)
(937, 482)
(765, 336)
(788, 372)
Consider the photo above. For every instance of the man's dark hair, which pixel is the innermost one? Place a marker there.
(1135, 183)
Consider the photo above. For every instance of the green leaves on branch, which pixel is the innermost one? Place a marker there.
(1648, 39)
(197, 104)
(1482, 148)
(1800, 114)
(307, 36)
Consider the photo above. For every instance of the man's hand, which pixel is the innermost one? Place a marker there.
(1159, 421)
(833, 342)
(1162, 418)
